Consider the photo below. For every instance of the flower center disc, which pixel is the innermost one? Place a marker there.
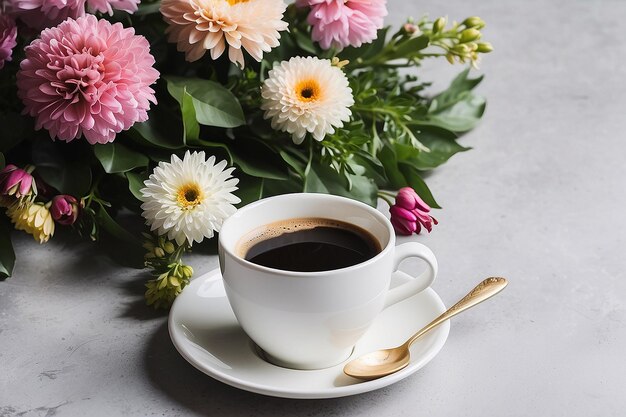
(189, 196)
(308, 90)
(233, 2)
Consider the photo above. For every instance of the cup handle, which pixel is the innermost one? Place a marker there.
(414, 284)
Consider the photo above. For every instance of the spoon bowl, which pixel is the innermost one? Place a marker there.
(379, 363)
(384, 362)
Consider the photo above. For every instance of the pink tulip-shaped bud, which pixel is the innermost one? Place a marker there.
(65, 209)
(403, 221)
(411, 28)
(410, 213)
(16, 182)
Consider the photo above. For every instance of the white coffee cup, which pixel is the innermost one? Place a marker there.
(312, 320)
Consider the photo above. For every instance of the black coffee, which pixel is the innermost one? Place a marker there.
(309, 245)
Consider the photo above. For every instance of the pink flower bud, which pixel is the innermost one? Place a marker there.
(16, 182)
(410, 213)
(65, 209)
(402, 213)
(411, 28)
(404, 226)
(408, 198)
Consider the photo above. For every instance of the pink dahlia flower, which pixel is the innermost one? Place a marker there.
(87, 77)
(8, 38)
(107, 6)
(340, 23)
(410, 213)
(39, 14)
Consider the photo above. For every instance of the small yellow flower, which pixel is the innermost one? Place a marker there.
(162, 290)
(33, 218)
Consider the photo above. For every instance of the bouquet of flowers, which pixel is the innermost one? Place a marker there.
(172, 113)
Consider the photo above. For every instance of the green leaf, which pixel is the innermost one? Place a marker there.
(410, 47)
(158, 131)
(2, 161)
(456, 109)
(191, 128)
(369, 167)
(404, 151)
(462, 116)
(415, 181)
(442, 145)
(116, 157)
(112, 227)
(303, 40)
(388, 158)
(323, 179)
(297, 165)
(145, 9)
(255, 158)
(363, 189)
(214, 104)
(277, 187)
(259, 166)
(250, 189)
(7, 255)
(460, 84)
(66, 171)
(136, 183)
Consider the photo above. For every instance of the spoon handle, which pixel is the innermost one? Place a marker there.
(486, 289)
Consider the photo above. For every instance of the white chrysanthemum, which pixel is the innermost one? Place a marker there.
(201, 25)
(189, 199)
(306, 95)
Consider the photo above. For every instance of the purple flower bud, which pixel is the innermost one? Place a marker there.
(402, 213)
(408, 198)
(65, 209)
(16, 182)
(404, 226)
(410, 213)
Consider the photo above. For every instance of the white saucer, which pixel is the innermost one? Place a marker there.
(205, 331)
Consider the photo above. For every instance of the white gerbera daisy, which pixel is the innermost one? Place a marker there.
(189, 199)
(201, 25)
(306, 95)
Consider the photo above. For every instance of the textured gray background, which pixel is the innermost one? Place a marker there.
(539, 200)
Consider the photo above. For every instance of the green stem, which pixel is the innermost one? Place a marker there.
(387, 193)
(92, 192)
(376, 110)
(385, 198)
(178, 253)
(375, 138)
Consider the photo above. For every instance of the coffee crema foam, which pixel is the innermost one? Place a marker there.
(279, 228)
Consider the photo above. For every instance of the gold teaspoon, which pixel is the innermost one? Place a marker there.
(387, 361)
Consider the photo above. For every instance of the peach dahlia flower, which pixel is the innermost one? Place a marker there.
(198, 26)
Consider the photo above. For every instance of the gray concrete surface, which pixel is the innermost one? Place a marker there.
(539, 200)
